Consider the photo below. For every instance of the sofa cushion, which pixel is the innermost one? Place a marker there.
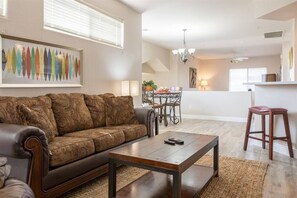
(71, 112)
(103, 138)
(97, 108)
(8, 113)
(69, 149)
(107, 95)
(131, 131)
(43, 102)
(120, 110)
(35, 116)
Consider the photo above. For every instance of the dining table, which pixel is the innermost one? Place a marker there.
(165, 98)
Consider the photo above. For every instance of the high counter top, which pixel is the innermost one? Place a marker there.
(277, 83)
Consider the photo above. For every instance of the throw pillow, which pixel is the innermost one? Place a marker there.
(35, 116)
(120, 110)
(43, 102)
(97, 108)
(71, 112)
(4, 171)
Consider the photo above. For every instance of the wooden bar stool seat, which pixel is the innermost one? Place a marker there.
(263, 111)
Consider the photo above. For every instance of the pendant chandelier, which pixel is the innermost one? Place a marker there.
(184, 53)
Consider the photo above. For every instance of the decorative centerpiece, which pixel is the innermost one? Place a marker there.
(149, 85)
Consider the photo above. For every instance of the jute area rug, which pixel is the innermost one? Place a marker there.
(237, 178)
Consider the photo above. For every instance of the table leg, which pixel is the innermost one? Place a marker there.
(176, 185)
(112, 179)
(165, 113)
(216, 159)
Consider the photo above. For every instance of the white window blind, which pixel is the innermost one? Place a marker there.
(237, 78)
(3, 7)
(76, 18)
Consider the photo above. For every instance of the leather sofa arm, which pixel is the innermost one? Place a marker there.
(147, 117)
(18, 141)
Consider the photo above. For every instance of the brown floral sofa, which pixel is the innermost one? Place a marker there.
(57, 142)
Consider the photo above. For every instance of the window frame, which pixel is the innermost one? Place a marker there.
(247, 77)
(5, 6)
(90, 38)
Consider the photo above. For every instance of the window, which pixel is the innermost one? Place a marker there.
(3, 7)
(244, 75)
(73, 17)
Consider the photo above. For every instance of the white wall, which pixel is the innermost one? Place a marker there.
(103, 66)
(295, 45)
(151, 51)
(216, 72)
(178, 72)
(216, 105)
(283, 10)
(164, 79)
(183, 73)
(262, 7)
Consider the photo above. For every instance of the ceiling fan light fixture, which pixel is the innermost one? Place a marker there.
(238, 59)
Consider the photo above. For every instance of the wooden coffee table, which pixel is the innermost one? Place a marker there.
(187, 179)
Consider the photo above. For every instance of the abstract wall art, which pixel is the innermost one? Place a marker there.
(29, 63)
(192, 77)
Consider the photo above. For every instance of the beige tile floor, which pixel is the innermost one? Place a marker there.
(281, 177)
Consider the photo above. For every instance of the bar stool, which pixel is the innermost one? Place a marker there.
(263, 111)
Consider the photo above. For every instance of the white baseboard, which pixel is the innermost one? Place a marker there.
(218, 118)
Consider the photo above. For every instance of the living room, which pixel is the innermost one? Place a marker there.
(104, 67)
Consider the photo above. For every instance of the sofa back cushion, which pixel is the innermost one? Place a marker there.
(107, 95)
(8, 113)
(44, 103)
(120, 110)
(71, 112)
(97, 108)
(36, 116)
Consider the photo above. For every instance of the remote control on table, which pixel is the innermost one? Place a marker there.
(169, 142)
(177, 141)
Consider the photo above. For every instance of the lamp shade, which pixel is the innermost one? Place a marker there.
(204, 83)
(125, 88)
(134, 88)
(130, 88)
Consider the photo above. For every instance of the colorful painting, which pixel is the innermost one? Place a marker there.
(192, 77)
(28, 63)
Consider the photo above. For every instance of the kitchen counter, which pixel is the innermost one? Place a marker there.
(282, 95)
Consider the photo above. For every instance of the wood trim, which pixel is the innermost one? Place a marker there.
(75, 182)
(33, 145)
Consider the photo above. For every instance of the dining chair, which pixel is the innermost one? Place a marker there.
(149, 97)
(175, 101)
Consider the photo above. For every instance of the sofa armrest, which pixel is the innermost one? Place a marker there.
(147, 117)
(18, 141)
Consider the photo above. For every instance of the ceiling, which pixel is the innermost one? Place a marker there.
(216, 28)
